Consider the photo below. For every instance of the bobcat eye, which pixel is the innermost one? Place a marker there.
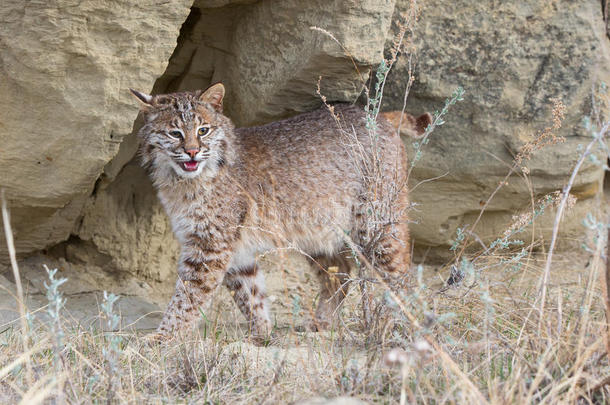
(175, 134)
(203, 131)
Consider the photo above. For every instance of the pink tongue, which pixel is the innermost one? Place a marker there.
(192, 165)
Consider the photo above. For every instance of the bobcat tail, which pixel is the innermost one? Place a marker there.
(410, 125)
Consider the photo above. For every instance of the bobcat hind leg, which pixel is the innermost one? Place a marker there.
(393, 255)
(333, 274)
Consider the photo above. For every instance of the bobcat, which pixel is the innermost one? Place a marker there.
(302, 183)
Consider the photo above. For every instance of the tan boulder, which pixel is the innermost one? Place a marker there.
(511, 58)
(270, 58)
(125, 222)
(65, 69)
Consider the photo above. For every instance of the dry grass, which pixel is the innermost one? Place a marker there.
(486, 338)
(488, 349)
(490, 337)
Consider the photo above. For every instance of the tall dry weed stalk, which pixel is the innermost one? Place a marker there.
(8, 234)
(598, 138)
(381, 196)
(606, 289)
(545, 138)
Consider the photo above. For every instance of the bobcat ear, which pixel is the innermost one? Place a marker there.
(142, 97)
(214, 95)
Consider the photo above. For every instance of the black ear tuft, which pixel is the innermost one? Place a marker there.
(143, 97)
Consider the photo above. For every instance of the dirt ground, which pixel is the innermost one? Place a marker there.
(291, 285)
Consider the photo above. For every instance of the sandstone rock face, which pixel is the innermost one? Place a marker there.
(67, 161)
(126, 223)
(279, 80)
(511, 58)
(270, 58)
(65, 70)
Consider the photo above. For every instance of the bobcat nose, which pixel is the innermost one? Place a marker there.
(192, 152)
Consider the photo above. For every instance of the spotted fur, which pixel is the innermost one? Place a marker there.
(232, 194)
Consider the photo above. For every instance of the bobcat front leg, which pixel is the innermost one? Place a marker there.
(199, 273)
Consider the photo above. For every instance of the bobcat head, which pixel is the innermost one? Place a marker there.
(185, 134)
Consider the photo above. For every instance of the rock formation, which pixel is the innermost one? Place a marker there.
(65, 67)
(511, 59)
(67, 159)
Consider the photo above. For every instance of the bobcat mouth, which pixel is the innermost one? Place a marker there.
(189, 166)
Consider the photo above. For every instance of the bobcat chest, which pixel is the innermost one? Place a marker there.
(190, 216)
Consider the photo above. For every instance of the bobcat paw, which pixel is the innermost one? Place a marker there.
(261, 333)
(156, 338)
(315, 325)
